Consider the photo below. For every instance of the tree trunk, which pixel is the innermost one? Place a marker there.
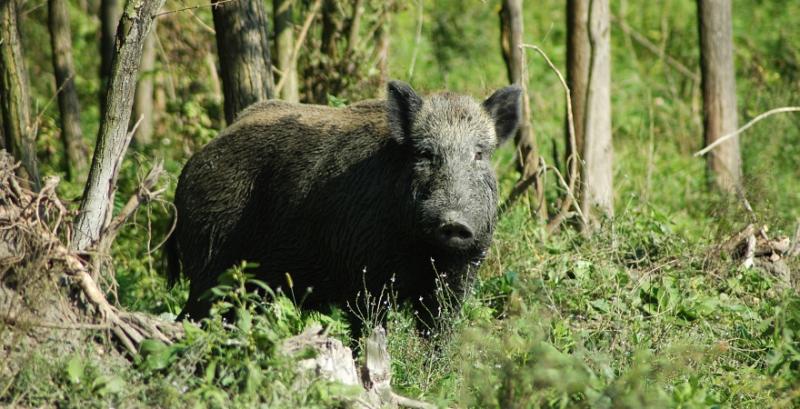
(528, 155)
(355, 26)
(143, 101)
(113, 138)
(579, 53)
(382, 48)
(61, 40)
(324, 78)
(243, 49)
(284, 44)
(20, 139)
(331, 27)
(110, 13)
(2, 131)
(719, 93)
(598, 154)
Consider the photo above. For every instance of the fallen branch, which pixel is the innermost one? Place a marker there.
(745, 127)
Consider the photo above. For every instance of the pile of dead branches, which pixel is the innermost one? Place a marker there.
(753, 247)
(45, 284)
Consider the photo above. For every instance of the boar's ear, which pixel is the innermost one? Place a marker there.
(505, 107)
(403, 105)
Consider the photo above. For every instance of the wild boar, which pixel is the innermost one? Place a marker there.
(346, 200)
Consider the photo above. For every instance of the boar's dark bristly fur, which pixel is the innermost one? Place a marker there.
(379, 193)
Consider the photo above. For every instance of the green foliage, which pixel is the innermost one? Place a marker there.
(238, 363)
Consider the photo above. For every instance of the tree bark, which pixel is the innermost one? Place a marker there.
(2, 130)
(598, 154)
(113, 138)
(528, 155)
(284, 44)
(20, 139)
(110, 13)
(579, 53)
(243, 49)
(71, 134)
(719, 93)
(143, 100)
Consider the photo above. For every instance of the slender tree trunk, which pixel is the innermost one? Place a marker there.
(323, 78)
(113, 138)
(331, 28)
(528, 155)
(143, 101)
(243, 49)
(71, 134)
(213, 75)
(719, 93)
(383, 42)
(579, 54)
(598, 153)
(20, 139)
(355, 26)
(284, 44)
(110, 13)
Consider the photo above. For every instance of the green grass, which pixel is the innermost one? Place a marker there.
(642, 314)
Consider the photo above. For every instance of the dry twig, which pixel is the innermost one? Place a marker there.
(144, 194)
(197, 6)
(745, 127)
(572, 161)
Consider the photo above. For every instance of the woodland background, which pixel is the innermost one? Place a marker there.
(661, 305)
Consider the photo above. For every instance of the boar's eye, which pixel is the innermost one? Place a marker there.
(478, 155)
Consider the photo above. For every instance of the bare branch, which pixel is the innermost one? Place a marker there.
(197, 6)
(653, 48)
(143, 194)
(572, 161)
(745, 127)
(417, 39)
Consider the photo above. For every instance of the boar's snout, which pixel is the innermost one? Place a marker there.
(454, 233)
